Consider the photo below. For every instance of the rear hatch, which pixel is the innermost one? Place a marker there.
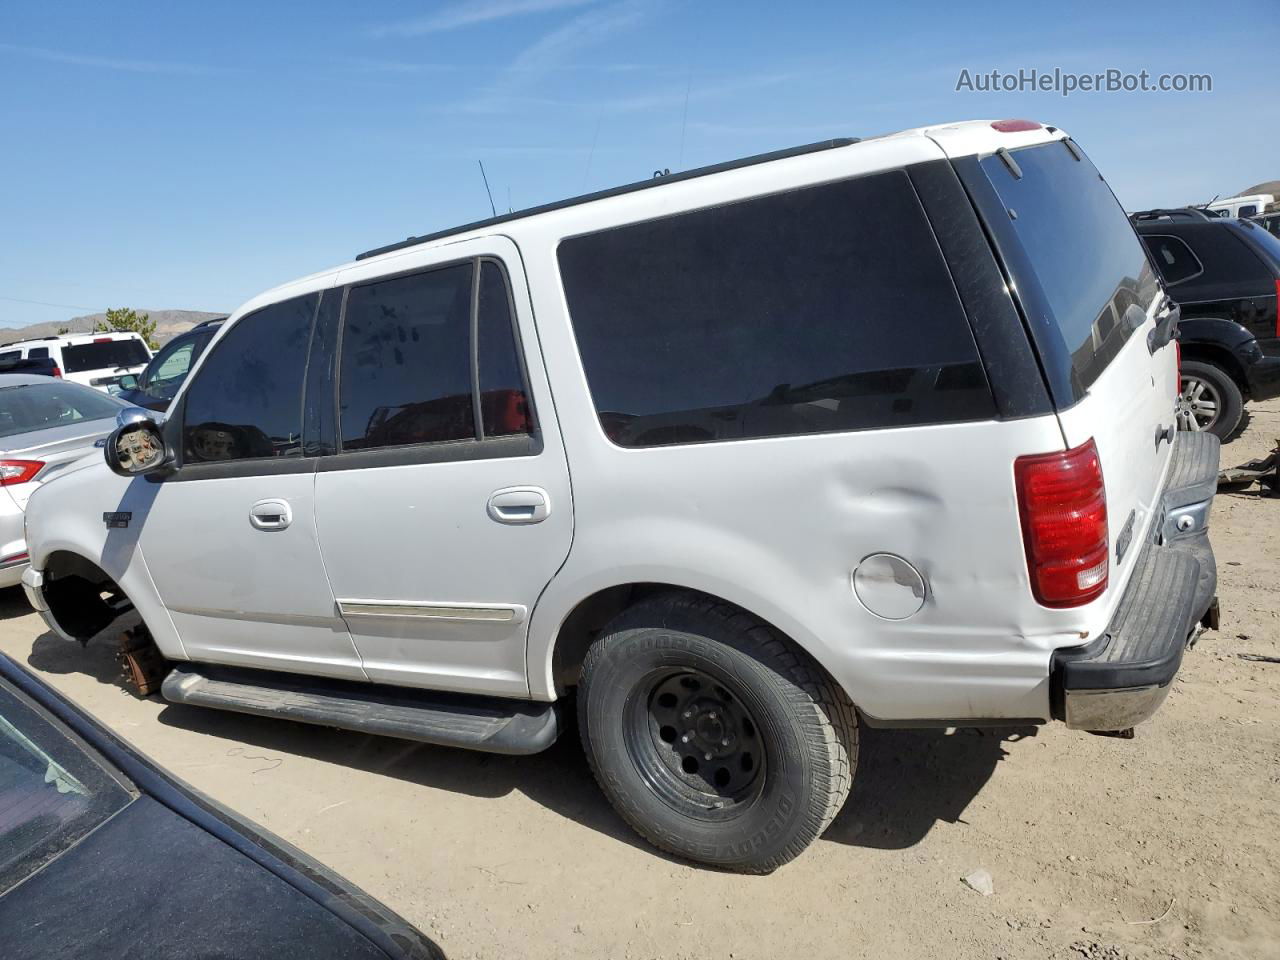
(102, 361)
(1098, 318)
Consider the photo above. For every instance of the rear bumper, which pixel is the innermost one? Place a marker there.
(1122, 677)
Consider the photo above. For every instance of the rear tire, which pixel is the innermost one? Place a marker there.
(1204, 384)
(714, 737)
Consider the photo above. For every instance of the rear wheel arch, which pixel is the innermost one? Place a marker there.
(585, 622)
(1219, 356)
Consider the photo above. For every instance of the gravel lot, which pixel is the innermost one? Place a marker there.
(1164, 846)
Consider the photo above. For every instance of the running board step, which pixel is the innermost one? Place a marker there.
(491, 724)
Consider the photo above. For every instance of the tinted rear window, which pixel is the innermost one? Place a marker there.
(39, 406)
(824, 309)
(108, 354)
(1091, 266)
(406, 361)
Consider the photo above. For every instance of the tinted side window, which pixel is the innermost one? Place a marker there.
(1173, 259)
(405, 374)
(38, 353)
(504, 404)
(819, 310)
(1248, 210)
(246, 400)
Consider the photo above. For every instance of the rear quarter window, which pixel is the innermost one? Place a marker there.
(820, 310)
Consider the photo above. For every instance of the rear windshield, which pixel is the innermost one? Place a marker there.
(38, 406)
(1096, 278)
(107, 354)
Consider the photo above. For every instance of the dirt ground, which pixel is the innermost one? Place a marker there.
(1161, 847)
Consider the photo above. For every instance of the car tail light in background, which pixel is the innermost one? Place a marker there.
(19, 471)
(101, 339)
(57, 371)
(1014, 126)
(1062, 501)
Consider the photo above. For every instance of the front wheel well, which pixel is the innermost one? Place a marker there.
(83, 599)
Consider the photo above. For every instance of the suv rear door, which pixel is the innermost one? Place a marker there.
(1091, 299)
(446, 508)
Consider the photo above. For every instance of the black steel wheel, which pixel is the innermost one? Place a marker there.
(695, 742)
(714, 737)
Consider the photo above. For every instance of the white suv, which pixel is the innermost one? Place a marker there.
(872, 432)
(95, 359)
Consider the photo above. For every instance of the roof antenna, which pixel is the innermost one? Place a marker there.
(492, 208)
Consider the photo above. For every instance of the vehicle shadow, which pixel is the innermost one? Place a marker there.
(13, 603)
(906, 780)
(51, 654)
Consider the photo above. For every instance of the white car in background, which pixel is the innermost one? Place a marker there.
(95, 359)
(46, 425)
(1233, 207)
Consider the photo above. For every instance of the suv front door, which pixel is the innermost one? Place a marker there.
(446, 509)
(230, 537)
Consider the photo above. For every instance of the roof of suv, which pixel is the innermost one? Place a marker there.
(971, 136)
(953, 140)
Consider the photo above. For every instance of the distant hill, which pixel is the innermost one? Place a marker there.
(169, 323)
(1271, 186)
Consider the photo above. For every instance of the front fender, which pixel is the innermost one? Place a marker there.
(67, 515)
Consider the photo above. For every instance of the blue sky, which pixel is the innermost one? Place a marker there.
(191, 155)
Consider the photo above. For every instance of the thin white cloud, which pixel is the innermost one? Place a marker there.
(108, 63)
(461, 15)
(554, 50)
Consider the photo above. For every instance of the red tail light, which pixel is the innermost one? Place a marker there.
(57, 371)
(19, 471)
(1063, 505)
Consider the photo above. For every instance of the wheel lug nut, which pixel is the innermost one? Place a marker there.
(707, 755)
(687, 737)
(724, 742)
(711, 715)
(687, 714)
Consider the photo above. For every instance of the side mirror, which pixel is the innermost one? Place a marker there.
(136, 446)
(129, 381)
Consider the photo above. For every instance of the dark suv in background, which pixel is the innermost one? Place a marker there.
(156, 386)
(1225, 274)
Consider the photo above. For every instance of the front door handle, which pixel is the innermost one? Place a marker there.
(271, 514)
(517, 505)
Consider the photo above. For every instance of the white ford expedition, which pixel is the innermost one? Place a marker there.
(742, 458)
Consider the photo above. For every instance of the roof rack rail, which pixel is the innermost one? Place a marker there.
(660, 178)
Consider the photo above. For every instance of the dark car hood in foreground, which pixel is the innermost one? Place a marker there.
(176, 875)
(148, 883)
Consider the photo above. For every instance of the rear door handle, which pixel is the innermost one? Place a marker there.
(271, 514)
(517, 505)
